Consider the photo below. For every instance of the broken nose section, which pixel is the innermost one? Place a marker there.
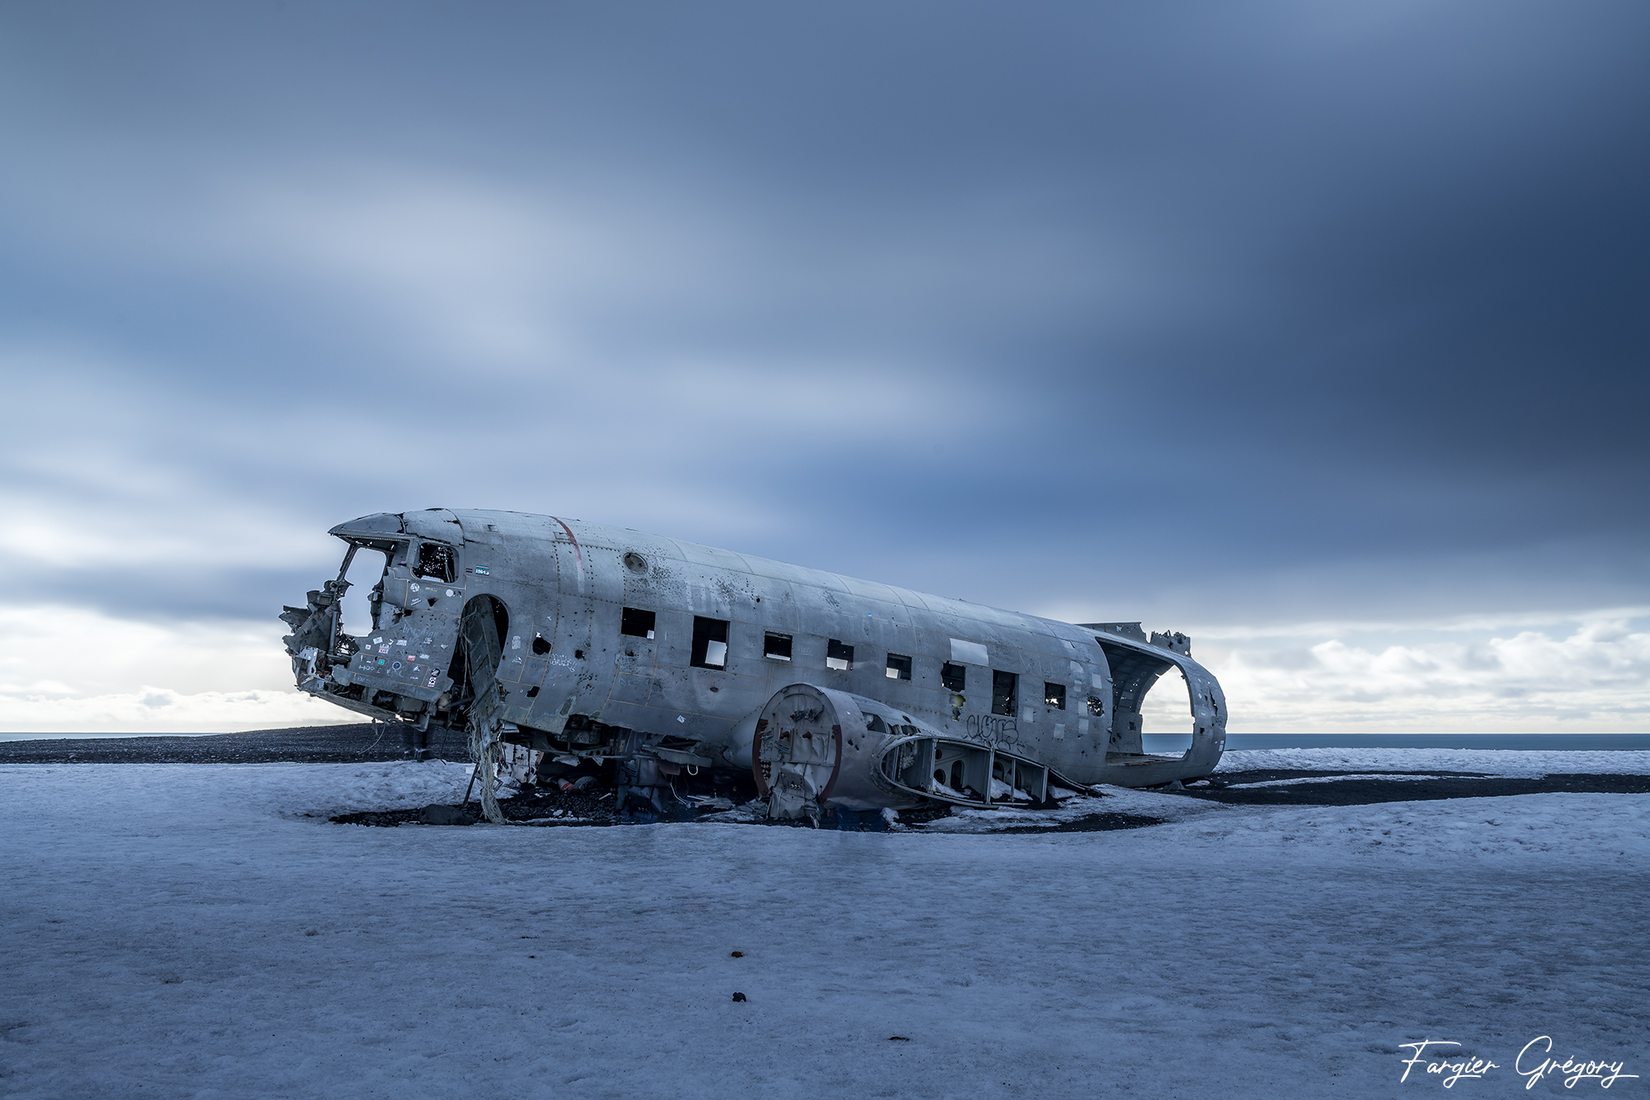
(399, 664)
(312, 643)
(372, 528)
(436, 524)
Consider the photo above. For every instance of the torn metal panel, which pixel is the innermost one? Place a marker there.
(682, 674)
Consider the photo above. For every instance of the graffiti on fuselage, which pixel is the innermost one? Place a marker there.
(996, 730)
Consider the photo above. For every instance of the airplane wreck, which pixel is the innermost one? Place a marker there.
(685, 676)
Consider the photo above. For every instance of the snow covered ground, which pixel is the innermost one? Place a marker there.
(1508, 762)
(186, 930)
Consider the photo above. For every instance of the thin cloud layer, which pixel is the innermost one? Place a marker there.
(1235, 320)
(1581, 675)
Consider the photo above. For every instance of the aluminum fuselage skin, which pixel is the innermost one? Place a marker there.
(564, 585)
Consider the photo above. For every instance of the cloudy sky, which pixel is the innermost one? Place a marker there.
(1317, 331)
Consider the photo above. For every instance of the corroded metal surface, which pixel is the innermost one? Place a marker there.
(682, 672)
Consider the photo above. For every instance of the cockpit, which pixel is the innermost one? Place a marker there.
(379, 636)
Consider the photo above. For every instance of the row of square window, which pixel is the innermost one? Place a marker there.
(710, 650)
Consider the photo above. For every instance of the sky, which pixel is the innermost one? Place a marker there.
(1315, 331)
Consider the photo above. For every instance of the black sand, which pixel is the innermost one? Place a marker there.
(1228, 787)
(355, 744)
(365, 742)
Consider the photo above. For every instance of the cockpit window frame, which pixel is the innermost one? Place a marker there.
(440, 558)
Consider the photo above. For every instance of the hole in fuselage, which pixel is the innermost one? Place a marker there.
(483, 628)
(1150, 709)
(436, 562)
(1166, 717)
(365, 574)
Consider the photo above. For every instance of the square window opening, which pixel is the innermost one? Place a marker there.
(634, 622)
(838, 655)
(435, 562)
(899, 667)
(953, 676)
(1005, 691)
(710, 642)
(776, 647)
(1054, 695)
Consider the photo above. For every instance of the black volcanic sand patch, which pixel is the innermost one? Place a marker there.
(360, 743)
(367, 743)
(1265, 775)
(1091, 823)
(550, 807)
(545, 806)
(1227, 788)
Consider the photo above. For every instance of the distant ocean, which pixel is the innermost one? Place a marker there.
(1176, 743)
(1575, 742)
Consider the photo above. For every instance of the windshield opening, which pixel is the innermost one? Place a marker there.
(364, 567)
(436, 562)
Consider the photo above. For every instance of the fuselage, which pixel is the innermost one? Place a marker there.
(606, 635)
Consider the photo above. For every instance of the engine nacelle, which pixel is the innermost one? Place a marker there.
(815, 747)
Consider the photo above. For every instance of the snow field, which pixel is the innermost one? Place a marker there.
(184, 931)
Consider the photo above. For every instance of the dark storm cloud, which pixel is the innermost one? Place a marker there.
(178, 596)
(1284, 308)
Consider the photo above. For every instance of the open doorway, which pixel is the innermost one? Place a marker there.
(482, 630)
(364, 570)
